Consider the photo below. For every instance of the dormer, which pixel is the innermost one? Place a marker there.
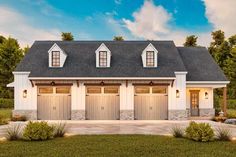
(103, 56)
(149, 56)
(57, 56)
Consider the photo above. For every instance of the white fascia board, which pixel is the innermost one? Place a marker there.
(102, 45)
(207, 82)
(181, 72)
(12, 84)
(102, 78)
(150, 45)
(21, 72)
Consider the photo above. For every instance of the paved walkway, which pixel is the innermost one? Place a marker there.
(124, 127)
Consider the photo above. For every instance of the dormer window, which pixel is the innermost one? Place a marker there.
(150, 58)
(55, 58)
(102, 58)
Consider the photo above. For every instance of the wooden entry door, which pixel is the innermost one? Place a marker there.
(194, 102)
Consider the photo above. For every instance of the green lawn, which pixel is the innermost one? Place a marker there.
(118, 145)
(5, 113)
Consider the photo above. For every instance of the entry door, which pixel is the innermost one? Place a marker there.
(194, 102)
(54, 103)
(102, 103)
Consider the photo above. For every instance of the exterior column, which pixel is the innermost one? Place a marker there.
(224, 108)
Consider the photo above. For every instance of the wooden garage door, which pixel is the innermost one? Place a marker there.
(54, 103)
(102, 103)
(150, 103)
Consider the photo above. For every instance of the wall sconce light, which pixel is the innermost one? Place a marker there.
(206, 95)
(25, 93)
(177, 93)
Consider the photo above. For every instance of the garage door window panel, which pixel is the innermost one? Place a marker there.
(94, 90)
(111, 90)
(45, 90)
(63, 90)
(142, 90)
(159, 90)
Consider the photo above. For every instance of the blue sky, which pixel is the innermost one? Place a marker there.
(29, 20)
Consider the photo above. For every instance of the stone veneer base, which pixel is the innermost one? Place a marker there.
(30, 114)
(207, 112)
(126, 114)
(78, 115)
(177, 114)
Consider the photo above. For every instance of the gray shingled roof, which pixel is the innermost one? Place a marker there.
(200, 65)
(125, 62)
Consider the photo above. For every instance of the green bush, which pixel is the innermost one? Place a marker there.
(223, 134)
(231, 103)
(177, 131)
(38, 131)
(231, 113)
(199, 132)
(6, 103)
(14, 132)
(59, 129)
(3, 120)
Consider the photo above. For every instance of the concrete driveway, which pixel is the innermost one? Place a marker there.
(124, 127)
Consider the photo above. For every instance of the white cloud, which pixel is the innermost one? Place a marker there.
(222, 13)
(149, 22)
(153, 23)
(15, 25)
(117, 1)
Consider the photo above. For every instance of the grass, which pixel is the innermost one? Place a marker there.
(5, 113)
(117, 145)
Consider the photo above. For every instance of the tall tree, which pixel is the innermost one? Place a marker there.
(191, 41)
(10, 56)
(67, 36)
(26, 49)
(118, 38)
(2, 38)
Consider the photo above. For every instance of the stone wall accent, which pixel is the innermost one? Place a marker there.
(78, 115)
(177, 114)
(206, 112)
(30, 114)
(126, 114)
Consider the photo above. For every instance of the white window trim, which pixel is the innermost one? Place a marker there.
(63, 56)
(103, 47)
(150, 47)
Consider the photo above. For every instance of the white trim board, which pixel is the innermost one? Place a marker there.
(102, 78)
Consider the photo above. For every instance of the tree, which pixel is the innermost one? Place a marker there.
(2, 38)
(26, 50)
(67, 36)
(191, 41)
(118, 38)
(10, 56)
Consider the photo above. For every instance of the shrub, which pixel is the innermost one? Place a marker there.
(3, 120)
(199, 132)
(223, 134)
(37, 131)
(59, 129)
(18, 118)
(177, 131)
(14, 132)
(231, 113)
(6, 103)
(231, 103)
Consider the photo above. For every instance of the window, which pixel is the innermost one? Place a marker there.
(142, 90)
(111, 90)
(45, 90)
(63, 90)
(103, 58)
(55, 58)
(159, 90)
(150, 58)
(94, 90)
